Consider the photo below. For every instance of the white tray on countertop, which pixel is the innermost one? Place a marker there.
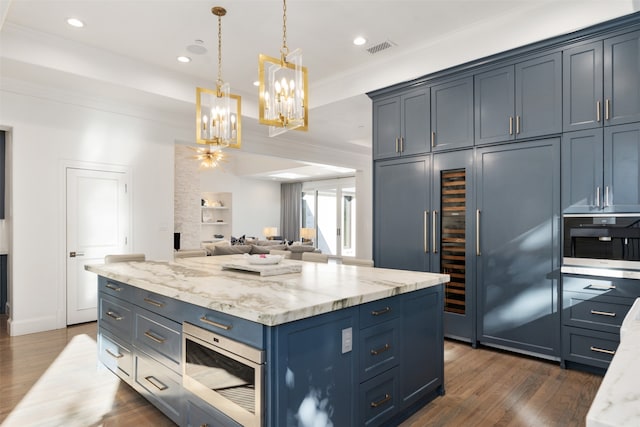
(265, 270)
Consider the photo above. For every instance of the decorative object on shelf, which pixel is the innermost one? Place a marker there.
(218, 112)
(270, 232)
(307, 234)
(283, 91)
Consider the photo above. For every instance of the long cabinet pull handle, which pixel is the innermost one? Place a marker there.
(510, 125)
(385, 399)
(402, 144)
(113, 287)
(517, 125)
(433, 139)
(434, 246)
(112, 354)
(605, 203)
(603, 313)
(598, 196)
(155, 338)
(478, 253)
(114, 315)
(598, 107)
(156, 383)
(216, 324)
(153, 302)
(607, 106)
(377, 351)
(381, 312)
(397, 141)
(425, 242)
(602, 350)
(600, 287)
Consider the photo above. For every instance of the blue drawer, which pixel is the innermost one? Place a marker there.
(379, 398)
(379, 311)
(115, 355)
(160, 385)
(379, 346)
(115, 288)
(160, 337)
(115, 315)
(246, 331)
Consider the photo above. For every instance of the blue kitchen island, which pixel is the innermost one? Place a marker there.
(296, 344)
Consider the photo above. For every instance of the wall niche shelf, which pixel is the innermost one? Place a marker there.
(215, 217)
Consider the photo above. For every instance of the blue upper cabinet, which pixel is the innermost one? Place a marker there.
(401, 124)
(452, 115)
(519, 101)
(602, 83)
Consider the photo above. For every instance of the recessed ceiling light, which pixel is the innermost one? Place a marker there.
(359, 41)
(184, 59)
(75, 22)
(256, 83)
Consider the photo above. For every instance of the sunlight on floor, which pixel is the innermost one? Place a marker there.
(76, 390)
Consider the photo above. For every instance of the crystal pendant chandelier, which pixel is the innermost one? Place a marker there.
(218, 115)
(283, 90)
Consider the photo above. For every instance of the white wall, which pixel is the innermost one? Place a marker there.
(46, 135)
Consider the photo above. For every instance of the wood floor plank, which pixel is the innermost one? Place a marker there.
(484, 387)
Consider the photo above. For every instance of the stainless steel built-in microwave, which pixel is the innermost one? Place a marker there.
(603, 241)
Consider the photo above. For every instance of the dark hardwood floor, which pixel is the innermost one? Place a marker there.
(484, 387)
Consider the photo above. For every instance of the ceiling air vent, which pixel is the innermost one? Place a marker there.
(380, 47)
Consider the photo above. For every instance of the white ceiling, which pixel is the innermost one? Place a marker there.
(128, 48)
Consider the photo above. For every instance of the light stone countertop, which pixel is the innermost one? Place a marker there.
(272, 300)
(617, 403)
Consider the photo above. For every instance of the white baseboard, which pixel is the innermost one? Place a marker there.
(30, 326)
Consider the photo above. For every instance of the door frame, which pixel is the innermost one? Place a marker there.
(61, 313)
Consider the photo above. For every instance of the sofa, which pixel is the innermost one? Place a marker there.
(256, 246)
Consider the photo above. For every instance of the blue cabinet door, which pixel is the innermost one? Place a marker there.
(454, 229)
(539, 96)
(494, 105)
(622, 79)
(582, 171)
(422, 345)
(386, 127)
(452, 115)
(622, 168)
(401, 213)
(518, 210)
(415, 122)
(582, 87)
(401, 124)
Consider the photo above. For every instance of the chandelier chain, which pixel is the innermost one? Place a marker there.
(285, 50)
(219, 81)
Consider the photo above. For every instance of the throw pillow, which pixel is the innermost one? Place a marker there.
(301, 248)
(232, 250)
(255, 249)
(209, 247)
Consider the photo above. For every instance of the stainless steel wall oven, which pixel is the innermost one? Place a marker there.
(225, 373)
(602, 241)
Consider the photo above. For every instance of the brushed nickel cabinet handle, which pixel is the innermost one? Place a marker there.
(375, 352)
(397, 140)
(517, 125)
(216, 324)
(607, 107)
(598, 197)
(113, 287)
(156, 383)
(381, 312)
(602, 350)
(155, 338)
(425, 221)
(510, 125)
(598, 107)
(603, 313)
(433, 139)
(385, 399)
(114, 315)
(115, 356)
(153, 302)
(434, 246)
(402, 144)
(478, 232)
(605, 203)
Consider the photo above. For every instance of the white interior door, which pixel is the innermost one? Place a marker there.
(97, 225)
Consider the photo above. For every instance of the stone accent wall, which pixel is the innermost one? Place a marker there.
(186, 198)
